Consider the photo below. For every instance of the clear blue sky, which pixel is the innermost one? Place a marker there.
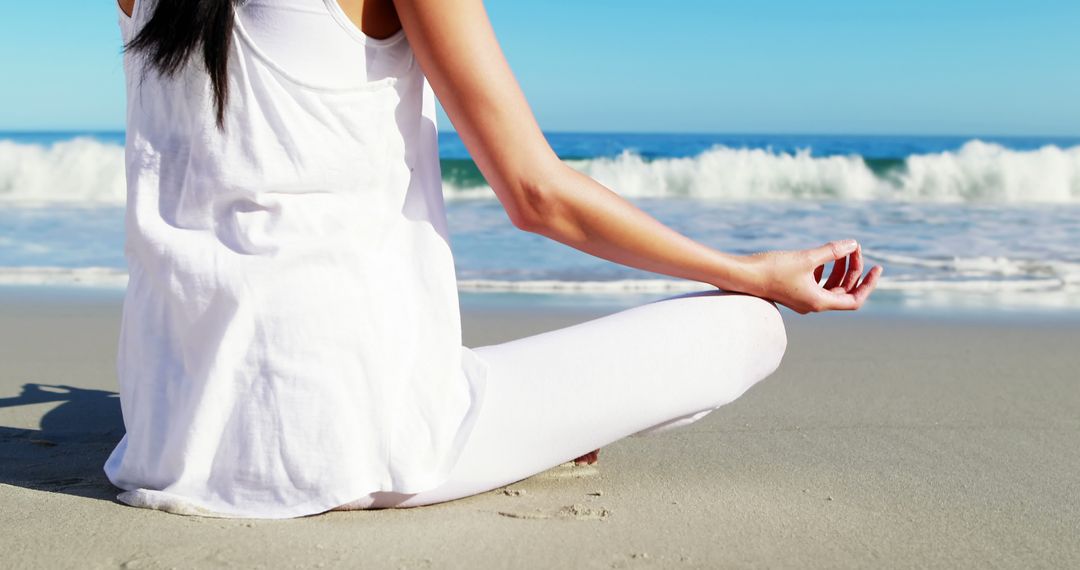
(797, 66)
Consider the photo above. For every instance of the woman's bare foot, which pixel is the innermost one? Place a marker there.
(588, 459)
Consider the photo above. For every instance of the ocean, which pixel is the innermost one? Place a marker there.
(983, 222)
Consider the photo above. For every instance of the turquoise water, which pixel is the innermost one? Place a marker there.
(989, 222)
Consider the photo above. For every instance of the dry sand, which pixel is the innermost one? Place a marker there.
(881, 441)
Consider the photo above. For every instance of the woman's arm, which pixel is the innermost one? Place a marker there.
(458, 51)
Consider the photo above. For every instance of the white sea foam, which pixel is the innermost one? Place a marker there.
(77, 170)
(736, 174)
(114, 277)
(85, 170)
(982, 171)
(1009, 272)
(47, 275)
(583, 287)
(977, 172)
(674, 286)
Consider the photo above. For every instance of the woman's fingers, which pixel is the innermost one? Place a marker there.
(832, 251)
(837, 252)
(839, 299)
(838, 274)
(836, 300)
(845, 289)
(854, 270)
(868, 283)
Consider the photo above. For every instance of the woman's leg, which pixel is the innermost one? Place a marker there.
(557, 395)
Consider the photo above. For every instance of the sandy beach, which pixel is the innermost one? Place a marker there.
(884, 440)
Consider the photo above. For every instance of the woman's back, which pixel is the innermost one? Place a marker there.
(291, 335)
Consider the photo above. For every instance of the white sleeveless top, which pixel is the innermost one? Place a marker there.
(290, 339)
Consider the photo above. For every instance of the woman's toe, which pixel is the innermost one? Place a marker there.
(588, 459)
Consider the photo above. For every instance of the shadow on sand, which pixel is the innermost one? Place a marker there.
(67, 454)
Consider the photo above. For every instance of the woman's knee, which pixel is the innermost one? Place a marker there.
(772, 335)
(758, 340)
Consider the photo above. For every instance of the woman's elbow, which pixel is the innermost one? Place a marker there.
(536, 207)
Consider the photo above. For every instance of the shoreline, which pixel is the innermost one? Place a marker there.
(943, 305)
(885, 439)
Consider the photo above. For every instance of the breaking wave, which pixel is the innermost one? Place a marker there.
(84, 170)
(76, 170)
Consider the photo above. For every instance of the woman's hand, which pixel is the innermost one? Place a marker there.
(792, 278)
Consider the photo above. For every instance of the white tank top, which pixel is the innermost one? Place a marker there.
(290, 339)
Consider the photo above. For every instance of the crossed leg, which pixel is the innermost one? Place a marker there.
(558, 395)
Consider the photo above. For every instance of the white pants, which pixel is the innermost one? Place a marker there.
(557, 395)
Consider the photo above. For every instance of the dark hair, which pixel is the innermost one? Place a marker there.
(179, 27)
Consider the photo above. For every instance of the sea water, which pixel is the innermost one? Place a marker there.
(981, 221)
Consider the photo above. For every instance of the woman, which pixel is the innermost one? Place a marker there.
(290, 341)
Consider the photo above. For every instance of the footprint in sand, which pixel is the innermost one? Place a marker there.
(584, 513)
(570, 512)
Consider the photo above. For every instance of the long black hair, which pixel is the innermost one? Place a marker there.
(180, 27)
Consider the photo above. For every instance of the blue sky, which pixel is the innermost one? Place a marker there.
(903, 67)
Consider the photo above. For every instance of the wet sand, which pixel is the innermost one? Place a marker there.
(883, 440)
